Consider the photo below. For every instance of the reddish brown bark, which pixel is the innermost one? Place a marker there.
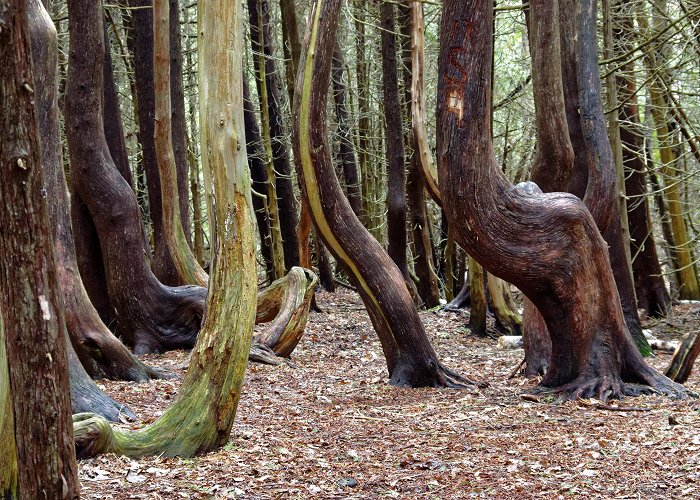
(548, 245)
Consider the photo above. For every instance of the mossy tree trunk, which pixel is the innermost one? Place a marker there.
(30, 304)
(553, 250)
(200, 419)
(411, 360)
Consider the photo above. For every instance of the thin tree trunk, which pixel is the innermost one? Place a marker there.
(185, 269)
(34, 332)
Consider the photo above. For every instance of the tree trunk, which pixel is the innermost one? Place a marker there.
(262, 43)
(200, 419)
(411, 360)
(683, 359)
(9, 470)
(477, 295)
(548, 245)
(185, 269)
(150, 316)
(34, 332)
(179, 127)
(100, 352)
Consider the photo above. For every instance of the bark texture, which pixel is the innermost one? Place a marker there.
(30, 303)
(553, 250)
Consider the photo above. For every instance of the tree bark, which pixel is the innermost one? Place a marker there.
(411, 360)
(200, 419)
(683, 359)
(150, 316)
(185, 270)
(34, 332)
(553, 250)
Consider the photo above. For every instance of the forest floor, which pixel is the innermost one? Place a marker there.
(332, 427)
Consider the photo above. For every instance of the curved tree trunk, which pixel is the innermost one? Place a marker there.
(185, 269)
(553, 250)
(100, 352)
(411, 360)
(34, 332)
(150, 316)
(201, 417)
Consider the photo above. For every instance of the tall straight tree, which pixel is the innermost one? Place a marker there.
(269, 85)
(548, 245)
(410, 358)
(30, 304)
(150, 316)
(201, 417)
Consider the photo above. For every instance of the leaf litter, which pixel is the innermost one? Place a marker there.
(332, 427)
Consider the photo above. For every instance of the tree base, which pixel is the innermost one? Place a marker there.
(409, 376)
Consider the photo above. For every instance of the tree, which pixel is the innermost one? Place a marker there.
(34, 332)
(200, 419)
(548, 245)
(411, 360)
(150, 316)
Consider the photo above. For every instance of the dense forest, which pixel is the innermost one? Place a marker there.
(329, 210)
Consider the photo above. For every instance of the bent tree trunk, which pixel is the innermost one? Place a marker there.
(185, 268)
(150, 316)
(100, 352)
(683, 359)
(553, 252)
(34, 332)
(200, 419)
(411, 360)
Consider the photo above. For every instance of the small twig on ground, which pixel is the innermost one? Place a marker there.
(516, 369)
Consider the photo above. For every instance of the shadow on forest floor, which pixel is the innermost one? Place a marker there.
(334, 428)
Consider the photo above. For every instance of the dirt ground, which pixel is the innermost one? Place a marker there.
(332, 427)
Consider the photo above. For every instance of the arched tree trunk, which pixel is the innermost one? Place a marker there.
(411, 360)
(548, 245)
(201, 417)
(185, 269)
(683, 359)
(150, 316)
(34, 333)
(100, 352)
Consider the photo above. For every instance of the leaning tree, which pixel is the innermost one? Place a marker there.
(548, 245)
(410, 357)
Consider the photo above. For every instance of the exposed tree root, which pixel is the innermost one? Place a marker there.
(285, 305)
(435, 375)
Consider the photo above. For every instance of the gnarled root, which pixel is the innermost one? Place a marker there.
(93, 435)
(284, 308)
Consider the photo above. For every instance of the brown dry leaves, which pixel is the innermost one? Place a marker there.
(334, 428)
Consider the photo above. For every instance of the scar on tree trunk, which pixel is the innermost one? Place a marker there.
(411, 360)
(150, 316)
(554, 251)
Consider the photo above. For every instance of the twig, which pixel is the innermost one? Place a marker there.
(516, 369)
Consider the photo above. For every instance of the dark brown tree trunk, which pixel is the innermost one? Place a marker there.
(411, 360)
(291, 45)
(150, 316)
(258, 10)
(34, 332)
(548, 245)
(395, 152)
(258, 175)
(346, 149)
(179, 127)
(114, 132)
